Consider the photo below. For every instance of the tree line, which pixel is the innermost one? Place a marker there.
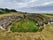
(6, 10)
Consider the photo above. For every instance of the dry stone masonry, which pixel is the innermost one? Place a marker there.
(7, 20)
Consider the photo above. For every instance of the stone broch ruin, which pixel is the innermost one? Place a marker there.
(7, 20)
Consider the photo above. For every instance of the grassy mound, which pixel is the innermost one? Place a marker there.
(4, 35)
(24, 25)
(47, 33)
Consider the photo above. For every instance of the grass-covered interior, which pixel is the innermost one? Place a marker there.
(24, 25)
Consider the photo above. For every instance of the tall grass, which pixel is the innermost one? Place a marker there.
(24, 25)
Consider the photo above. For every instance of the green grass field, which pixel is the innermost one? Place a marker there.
(24, 25)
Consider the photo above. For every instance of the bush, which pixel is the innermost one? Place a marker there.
(13, 10)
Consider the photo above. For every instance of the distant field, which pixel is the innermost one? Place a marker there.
(47, 15)
(10, 14)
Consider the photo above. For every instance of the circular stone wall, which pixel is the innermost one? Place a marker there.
(24, 25)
